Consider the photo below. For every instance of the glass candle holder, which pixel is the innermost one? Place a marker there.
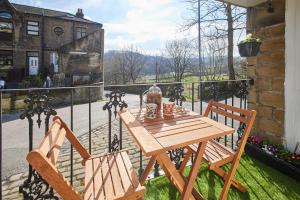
(168, 109)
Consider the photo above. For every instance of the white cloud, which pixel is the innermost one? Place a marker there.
(155, 20)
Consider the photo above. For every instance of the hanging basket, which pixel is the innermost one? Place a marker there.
(249, 49)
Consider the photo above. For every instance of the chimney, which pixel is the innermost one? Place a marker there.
(79, 13)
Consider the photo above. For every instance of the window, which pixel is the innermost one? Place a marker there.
(5, 15)
(80, 32)
(6, 60)
(33, 63)
(6, 27)
(32, 28)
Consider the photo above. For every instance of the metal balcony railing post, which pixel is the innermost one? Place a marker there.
(193, 96)
(90, 122)
(1, 144)
(71, 151)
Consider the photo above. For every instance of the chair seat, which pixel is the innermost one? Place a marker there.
(215, 152)
(111, 177)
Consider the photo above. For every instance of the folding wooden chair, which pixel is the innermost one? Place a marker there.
(107, 177)
(216, 154)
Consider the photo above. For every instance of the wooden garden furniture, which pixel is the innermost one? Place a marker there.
(109, 176)
(216, 154)
(158, 136)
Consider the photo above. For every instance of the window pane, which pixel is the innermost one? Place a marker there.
(32, 33)
(32, 28)
(78, 36)
(32, 23)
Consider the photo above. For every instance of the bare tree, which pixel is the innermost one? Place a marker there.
(221, 16)
(216, 61)
(125, 65)
(159, 62)
(134, 62)
(180, 54)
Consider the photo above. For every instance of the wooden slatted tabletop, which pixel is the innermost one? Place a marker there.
(164, 134)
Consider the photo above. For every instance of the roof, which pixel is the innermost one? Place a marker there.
(50, 13)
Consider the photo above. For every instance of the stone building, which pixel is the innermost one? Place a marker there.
(40, 42)
(276, 70)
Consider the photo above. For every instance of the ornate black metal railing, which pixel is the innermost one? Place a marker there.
(41, 104)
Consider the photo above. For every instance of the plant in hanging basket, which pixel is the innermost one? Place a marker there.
(249, 46)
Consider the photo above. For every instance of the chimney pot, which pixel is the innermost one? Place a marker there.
(79, 13)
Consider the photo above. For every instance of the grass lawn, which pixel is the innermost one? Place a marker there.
(263, 183)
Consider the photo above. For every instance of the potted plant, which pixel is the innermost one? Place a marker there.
(249, 46)
(275, 156)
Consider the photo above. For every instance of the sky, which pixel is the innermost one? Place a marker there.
(147, 24)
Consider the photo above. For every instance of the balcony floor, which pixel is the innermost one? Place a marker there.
(261, 181)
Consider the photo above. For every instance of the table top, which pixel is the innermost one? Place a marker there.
(164, 134)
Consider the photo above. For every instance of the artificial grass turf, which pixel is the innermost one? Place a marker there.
(261, 181)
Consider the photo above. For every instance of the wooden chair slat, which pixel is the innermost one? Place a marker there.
(126, 181)
(89, 181)
(55, 149)
(230, 115)
(130, 171)
(50, 138)
(98, 181)
(107, 179)
(116, 179)
(231, 108)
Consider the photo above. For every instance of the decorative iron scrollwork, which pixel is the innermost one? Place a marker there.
(37, 188)
(115, 101)
(177, 156)
(115, 144)
(176, 95)
(213, 91)
(240, 131)
(34, 187)
(114, 105)
(242, 89)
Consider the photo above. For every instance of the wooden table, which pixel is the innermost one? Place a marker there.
(157, 137)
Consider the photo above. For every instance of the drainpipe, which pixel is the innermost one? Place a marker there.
(42, 43)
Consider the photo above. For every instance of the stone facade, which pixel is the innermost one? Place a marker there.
(267, 70)
(55, 30)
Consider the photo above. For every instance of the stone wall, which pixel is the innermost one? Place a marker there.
(266, 96)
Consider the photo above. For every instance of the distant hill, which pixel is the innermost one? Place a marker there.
(150, 61)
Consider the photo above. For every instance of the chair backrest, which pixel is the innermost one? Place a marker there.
(43, 159)
(242, 115)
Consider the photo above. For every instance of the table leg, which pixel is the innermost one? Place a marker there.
(148, 169)
(171, 171)
(194, 171)
(174, 176)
